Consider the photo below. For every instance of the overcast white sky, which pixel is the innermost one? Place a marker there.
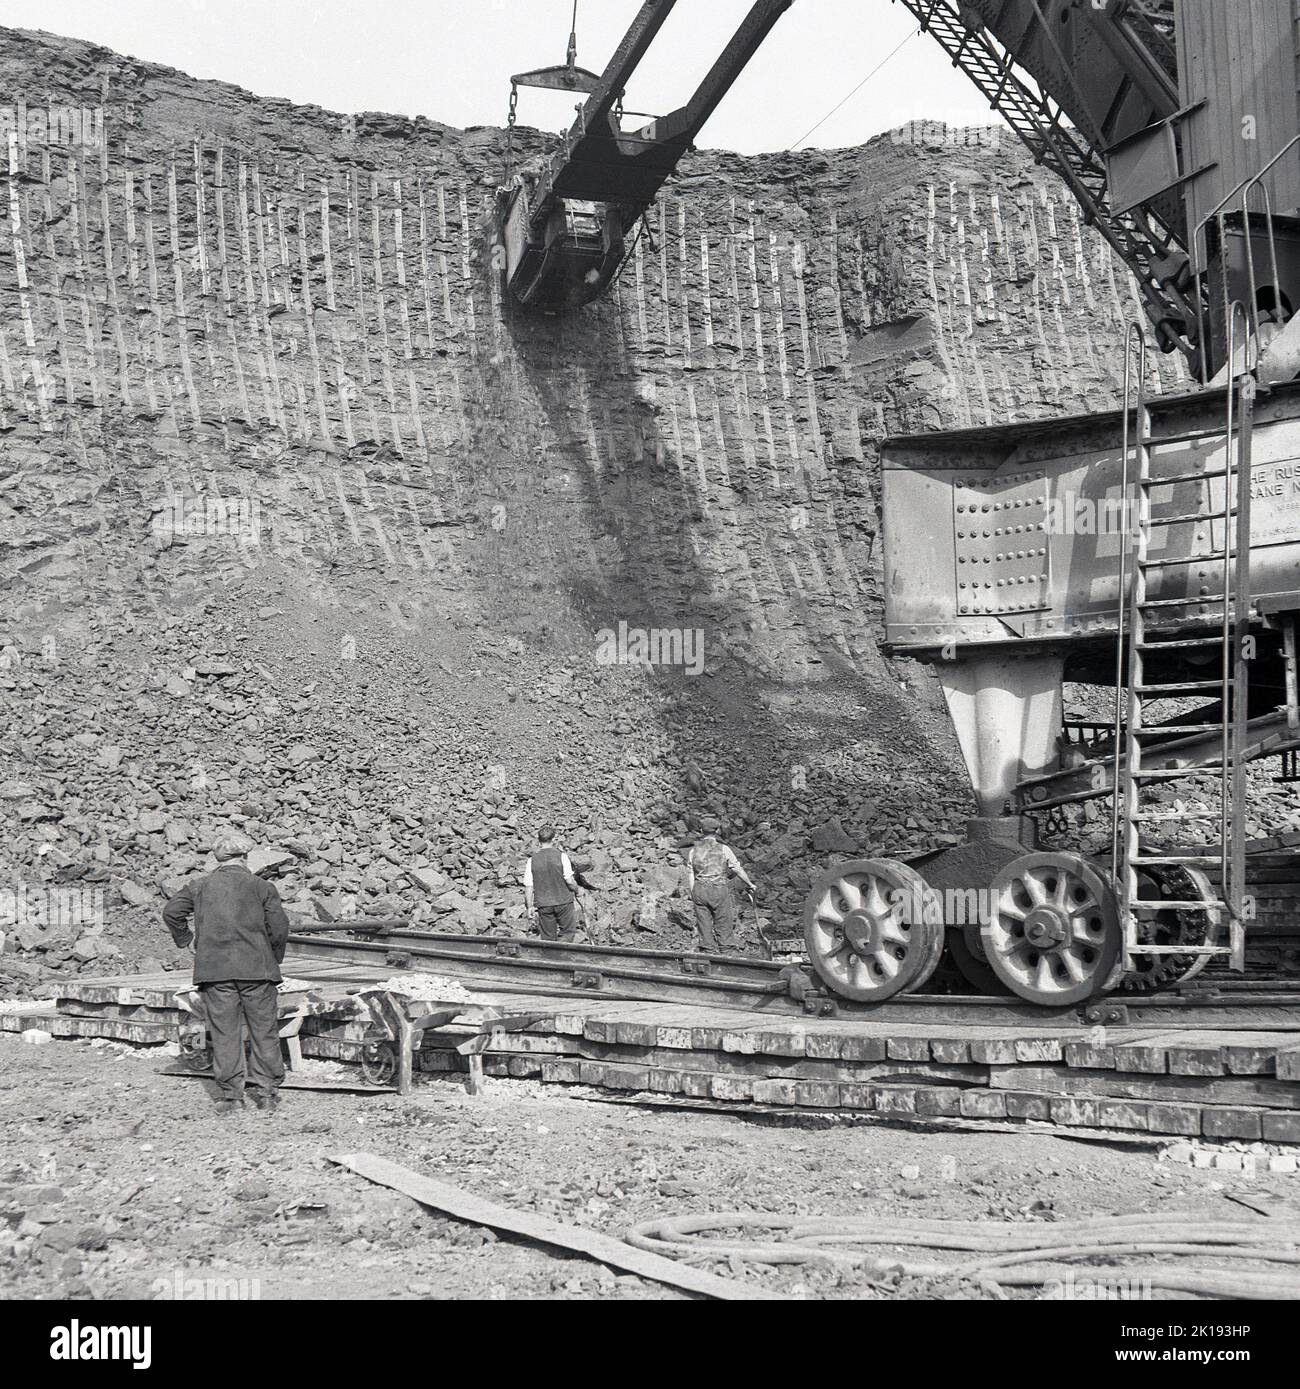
(451, 60)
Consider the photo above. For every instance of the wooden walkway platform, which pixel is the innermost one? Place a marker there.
(1209, 1083)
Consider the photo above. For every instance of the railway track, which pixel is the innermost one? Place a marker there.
(530, 965)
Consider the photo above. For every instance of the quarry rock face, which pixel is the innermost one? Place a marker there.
(305, 529)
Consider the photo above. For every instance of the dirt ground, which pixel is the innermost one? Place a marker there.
(118, 1181)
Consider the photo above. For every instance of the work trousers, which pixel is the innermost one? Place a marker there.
(715, 907)
(233, 1005)
(559, 922)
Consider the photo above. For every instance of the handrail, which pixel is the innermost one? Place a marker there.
(1248, 189)
(1195, 245)
(1140, 405)
(1231, 696)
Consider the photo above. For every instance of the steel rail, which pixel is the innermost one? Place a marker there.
(556, 954)
(532, 967)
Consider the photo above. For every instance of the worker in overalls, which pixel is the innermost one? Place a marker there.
(550, 887)
(709, 868)
(239, 933)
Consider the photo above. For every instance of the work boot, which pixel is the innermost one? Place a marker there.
(230, 1105)
(267, 1102)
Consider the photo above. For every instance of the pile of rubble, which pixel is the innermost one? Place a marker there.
(426, 987)
(407, 782)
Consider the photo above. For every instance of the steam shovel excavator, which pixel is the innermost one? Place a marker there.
(1183, 615)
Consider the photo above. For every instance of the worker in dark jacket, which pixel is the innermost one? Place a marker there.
(550, 887)
(239, 932)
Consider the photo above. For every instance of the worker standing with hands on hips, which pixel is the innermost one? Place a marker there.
(239, 933)
(550, 887)
(709, 866)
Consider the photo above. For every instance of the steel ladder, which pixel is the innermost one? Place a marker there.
(1137, 745)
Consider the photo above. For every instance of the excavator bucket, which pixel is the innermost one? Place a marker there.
(570, 259)
(564, 225)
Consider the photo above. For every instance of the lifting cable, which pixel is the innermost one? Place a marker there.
(908, 39)
(570, 58)
(1007, 1253)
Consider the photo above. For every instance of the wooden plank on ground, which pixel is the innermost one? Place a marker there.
(293, 1080)
(464, 1205)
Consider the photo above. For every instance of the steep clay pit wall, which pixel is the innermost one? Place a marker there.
(295, 312)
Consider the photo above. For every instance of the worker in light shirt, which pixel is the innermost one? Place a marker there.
(710, 865)
(550, 887)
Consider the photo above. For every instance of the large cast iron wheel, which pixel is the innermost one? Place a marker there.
(873, 929)
(1054, 935)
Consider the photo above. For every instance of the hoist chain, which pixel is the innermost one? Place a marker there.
(510, 132)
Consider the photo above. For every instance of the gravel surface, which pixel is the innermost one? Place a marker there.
(116, 1181)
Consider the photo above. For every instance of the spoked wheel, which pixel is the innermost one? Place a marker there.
(873, 929)
(1054, 935)
(1171, 926)
(378, 1063)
